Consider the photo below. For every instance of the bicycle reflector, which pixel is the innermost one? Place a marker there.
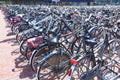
(35, 70)
(46, 49)
(73, 61)
(69, 72)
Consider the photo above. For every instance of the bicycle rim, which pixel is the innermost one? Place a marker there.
(49, 69)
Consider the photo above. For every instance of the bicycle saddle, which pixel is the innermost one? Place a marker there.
(91, 42)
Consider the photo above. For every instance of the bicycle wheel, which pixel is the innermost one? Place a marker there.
(37, 55)
(19, 37)
(17, 24)
(111, 61)
(53, 67)
(14, 27)
(28, 52)
(23, 46)
(112, 49)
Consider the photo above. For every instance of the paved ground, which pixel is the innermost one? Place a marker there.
(12, 64)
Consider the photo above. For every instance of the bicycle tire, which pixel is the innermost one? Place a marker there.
(37, 55)
(28, 52)
(52, 59)
(22, 48)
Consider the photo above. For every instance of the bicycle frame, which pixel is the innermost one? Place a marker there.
(74, 62)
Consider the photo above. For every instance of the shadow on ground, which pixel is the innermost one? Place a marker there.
(10, 40)
(15, 52)
(10, 34)
(21, 65)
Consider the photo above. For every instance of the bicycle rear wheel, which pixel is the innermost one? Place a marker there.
(37, 55)
(28, 52)
(23, 46)
(53, 67)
